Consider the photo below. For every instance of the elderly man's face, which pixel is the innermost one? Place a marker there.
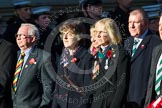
(160, 27)
(137, 25)
(24, 41)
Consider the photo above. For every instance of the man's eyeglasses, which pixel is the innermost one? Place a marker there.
(22, 36)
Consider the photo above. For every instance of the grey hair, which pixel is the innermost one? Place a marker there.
(145, 17)
(33, 30)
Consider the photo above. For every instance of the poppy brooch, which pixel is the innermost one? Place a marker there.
(32, 61)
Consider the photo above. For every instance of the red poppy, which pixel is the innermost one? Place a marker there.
(151, 104)
(94, 51)
(74, 60)
(32, 61)
(158, 105)
(142, 46)
(109, 54)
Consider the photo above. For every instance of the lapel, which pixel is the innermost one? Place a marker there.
(18, 54)
(141, 47)
(78, 55)
(113, 63)
(27, 66)
(158, 52)
(128, 45)
(157, 55)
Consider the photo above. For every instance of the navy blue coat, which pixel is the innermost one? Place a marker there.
(140, 67)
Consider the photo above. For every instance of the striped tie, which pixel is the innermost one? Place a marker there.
(134, 46)
(158, 78)
(18, 70)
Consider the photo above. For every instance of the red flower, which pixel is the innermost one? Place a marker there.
(142, 46)
(74, 60)
(32, 61)
(159, 105)
(94, 51)
(156, 104)
(109, 54)
(151, 104)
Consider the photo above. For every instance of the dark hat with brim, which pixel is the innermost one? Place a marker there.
(41, 10)
(37, 11)
(85, 3)
(21, 3)
(94, 2)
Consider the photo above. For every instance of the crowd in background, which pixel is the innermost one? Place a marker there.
(87, 61)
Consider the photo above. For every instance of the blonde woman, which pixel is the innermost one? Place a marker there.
(112, 67)
(94, 44)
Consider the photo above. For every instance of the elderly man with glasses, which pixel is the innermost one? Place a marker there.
(32, 86)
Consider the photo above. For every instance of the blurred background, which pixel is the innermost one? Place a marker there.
(60, 6)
